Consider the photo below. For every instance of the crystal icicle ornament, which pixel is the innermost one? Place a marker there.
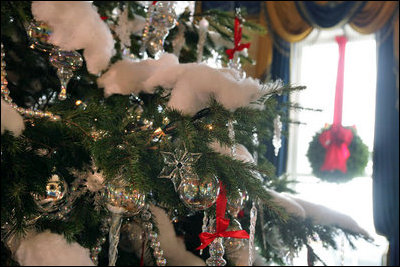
(66, 62)
(277, 139)
(231, 134)
(203, 27)
(115, 227)
(161, 18)
(178, 165)
(253, 220)
(122, 200)
(204, 227)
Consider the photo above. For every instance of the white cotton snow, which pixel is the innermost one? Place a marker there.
(326, 216)
(127, 76)
(174, 248)
(10, 119)
(77, 25)
(194, 83)
(290, 206)
(49, 249)
(95, 181)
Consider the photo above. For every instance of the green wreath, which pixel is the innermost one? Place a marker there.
(356, 163)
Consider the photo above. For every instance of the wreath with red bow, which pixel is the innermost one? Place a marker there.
(350, 163)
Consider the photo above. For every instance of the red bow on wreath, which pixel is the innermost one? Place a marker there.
(237, 39)
(336, 141)
(222, 223)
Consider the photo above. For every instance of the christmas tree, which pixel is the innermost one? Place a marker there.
(121, 145)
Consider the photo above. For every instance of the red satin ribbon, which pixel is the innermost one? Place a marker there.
(237, 39)
(337, 116)
(222, 223)
(154, 2)
(337, 139)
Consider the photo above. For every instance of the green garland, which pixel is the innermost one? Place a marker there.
(355, 163)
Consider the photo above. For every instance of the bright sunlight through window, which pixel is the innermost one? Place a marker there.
(314, 64)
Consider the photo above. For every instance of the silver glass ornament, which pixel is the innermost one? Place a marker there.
(66, 62)
(39, 34)
(199, 194)
(55, 196)
(155, 45)
(164, 15)
(216, 251)
(235, 204)
(253, 220)
(123, 198)
(231, 244)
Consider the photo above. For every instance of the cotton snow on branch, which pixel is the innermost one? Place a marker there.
(326, 216)
(194, 83)
(10, 119)
(174, 247)
(49, 249)
(77, 25)
(127, 76)
(290, 206)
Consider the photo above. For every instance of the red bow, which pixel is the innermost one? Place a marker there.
(336, 141)
(222, 223)
(238, 38)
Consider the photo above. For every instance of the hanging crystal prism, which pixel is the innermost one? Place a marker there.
(253, 220)
(277, 139)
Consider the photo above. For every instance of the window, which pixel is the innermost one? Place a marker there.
(314, 64)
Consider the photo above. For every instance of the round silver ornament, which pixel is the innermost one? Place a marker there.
(124, 199)
(54, 198)
(198, 194)
(231, 244)
(39, 34)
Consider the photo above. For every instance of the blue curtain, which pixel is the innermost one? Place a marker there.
(332, 14)
(386, 145)
(280, 70)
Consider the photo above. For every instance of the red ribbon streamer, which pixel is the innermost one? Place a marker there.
(237, 39)
(222, 223)
(337, 139)
(337, 116)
